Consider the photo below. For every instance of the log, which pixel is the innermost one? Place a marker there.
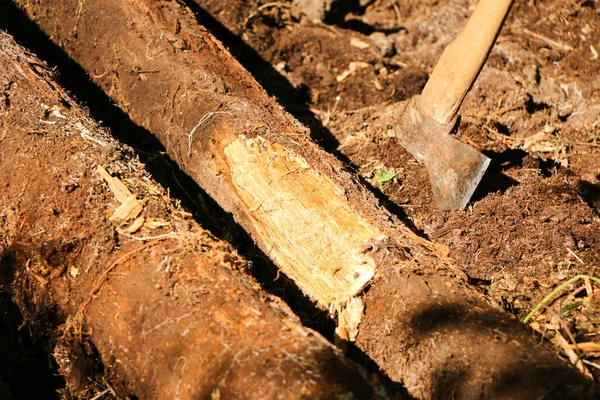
(423, 324)
(102, 263)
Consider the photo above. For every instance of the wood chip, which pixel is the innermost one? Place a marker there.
(586, 346)
(136, 225)
(115, 185)
(377, 84)
(352, 68)
(356, 42)
(153, 223)
(130, 207)
(349, 318)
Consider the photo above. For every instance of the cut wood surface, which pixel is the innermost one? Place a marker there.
(423, 324)
(162, 302)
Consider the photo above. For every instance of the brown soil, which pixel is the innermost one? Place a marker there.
(533, 224)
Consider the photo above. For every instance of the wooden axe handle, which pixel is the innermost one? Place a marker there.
(462, 60)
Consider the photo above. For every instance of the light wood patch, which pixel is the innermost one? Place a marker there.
(316, 238)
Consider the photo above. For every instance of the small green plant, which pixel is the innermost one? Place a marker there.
(556, 291)
(566, 310)
(383, 176)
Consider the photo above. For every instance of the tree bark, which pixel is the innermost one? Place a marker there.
(97, 256)
(423, 324)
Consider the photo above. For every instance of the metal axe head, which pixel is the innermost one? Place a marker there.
(454, 167)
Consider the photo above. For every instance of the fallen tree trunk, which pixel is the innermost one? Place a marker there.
(163, 302)
(423, 324)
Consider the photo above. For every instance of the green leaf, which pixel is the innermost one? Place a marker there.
(383, 177)
(570, 307)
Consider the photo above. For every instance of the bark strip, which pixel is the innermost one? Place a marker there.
(423, 324)
(162, 301)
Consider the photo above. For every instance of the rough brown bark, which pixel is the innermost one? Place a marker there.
(162, 301)
(423, 324)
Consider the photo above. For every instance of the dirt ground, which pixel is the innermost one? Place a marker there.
(535, 110)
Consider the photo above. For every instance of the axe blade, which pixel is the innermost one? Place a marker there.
(455, 168)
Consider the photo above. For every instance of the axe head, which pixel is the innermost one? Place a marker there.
(454, 167)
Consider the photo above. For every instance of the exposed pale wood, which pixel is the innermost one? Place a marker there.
(349, 319)
(121, 192)
(314, 232)
(462, 60)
